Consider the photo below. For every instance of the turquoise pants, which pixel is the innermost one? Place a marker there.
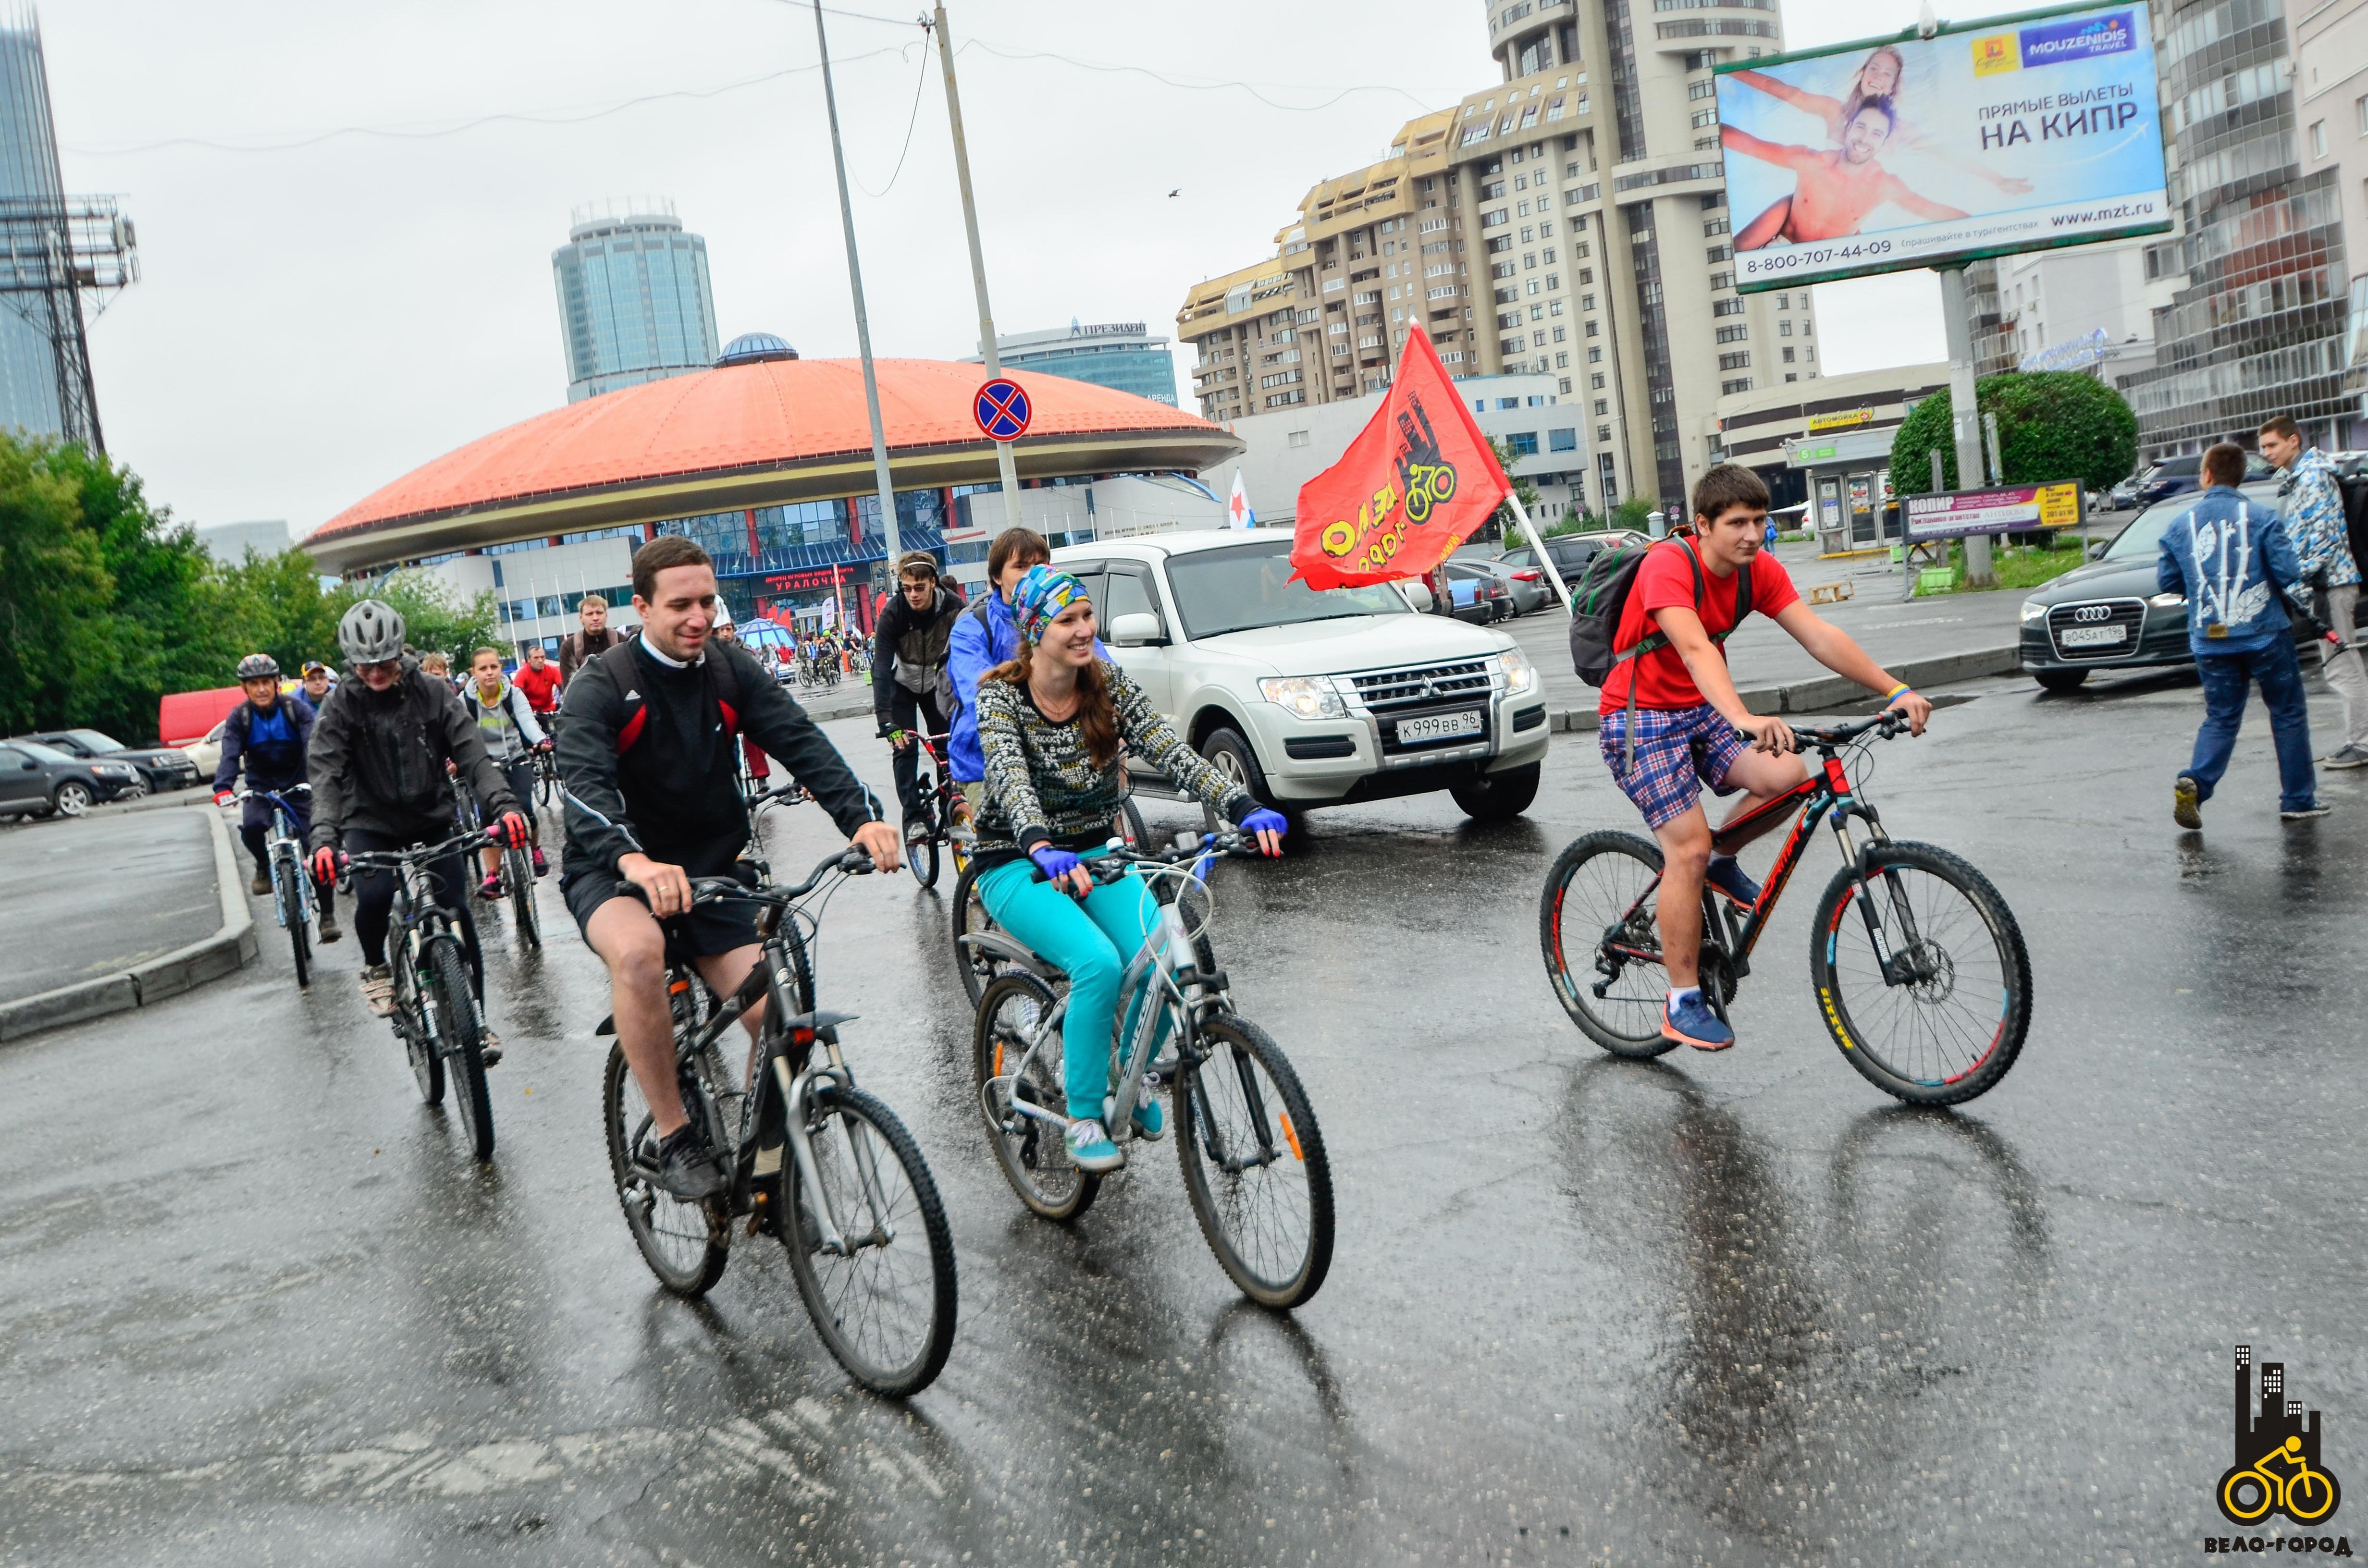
(1092, 942)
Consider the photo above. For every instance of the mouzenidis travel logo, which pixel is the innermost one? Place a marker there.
(2278, 1469)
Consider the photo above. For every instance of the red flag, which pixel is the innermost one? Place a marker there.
(1411, 487)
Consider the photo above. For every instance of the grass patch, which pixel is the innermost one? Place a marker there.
(2019, 567)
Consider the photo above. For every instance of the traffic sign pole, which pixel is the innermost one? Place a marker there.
(1003, 466)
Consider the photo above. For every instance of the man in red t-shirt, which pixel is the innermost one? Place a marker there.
(538, 678)
(1687, 716)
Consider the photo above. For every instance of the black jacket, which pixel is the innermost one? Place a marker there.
(274, 767)
(580, 647)
(377, 761)
(662, 798)
(909, 646)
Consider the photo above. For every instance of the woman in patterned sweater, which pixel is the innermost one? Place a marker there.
(1052, 724)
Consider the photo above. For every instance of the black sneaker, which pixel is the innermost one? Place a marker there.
(684, 1166)
(329, 932)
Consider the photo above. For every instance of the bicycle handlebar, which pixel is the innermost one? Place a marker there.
(1108, 868)
(475, 838)
(1888, 723)
(251, 793)
(853, 860)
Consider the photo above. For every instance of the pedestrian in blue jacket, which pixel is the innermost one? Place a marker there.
(985, 637)
(2233, 561)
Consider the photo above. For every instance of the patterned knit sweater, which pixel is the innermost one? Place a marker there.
(1041, 784)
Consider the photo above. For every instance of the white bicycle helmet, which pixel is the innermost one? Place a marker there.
(372, 632)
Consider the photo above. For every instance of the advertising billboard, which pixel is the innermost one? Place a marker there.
(1955, 514)
(2018, 133)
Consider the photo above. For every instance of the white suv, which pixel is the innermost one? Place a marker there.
(1314, 698)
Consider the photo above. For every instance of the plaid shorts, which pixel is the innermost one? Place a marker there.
(1678, 750)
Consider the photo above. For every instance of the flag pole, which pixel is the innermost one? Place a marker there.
(1545, 557)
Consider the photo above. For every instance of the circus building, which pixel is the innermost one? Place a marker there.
(766, 461)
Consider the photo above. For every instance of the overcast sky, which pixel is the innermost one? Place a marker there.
(316, 320)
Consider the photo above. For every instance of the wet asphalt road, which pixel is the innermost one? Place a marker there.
(256, 1306)
(156, 868)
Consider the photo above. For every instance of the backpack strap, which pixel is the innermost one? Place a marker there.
(723, 683)
(1653, 641)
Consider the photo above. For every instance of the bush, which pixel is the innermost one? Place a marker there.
(2053, 425)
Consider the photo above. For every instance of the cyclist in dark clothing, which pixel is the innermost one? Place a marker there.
(910, 688)
(269, 736)
(647, 756)
(377, 764)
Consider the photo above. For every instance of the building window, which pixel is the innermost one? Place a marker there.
(1602, 406)
(1788, 356)
(1522, 443)
(1593, 330)
(1565, 383)
(1296, 438)
(1740, 384)
(1564, 439)
(1562, 362)
(1602, 433)
(1562, 335)
(2318, 138)
(1594, 357)
(1740, 361)
(1733, 333)
(1713, 228)
(1783, 328)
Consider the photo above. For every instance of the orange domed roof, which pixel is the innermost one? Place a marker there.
(749, 435)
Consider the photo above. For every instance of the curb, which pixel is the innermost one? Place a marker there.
(1827, 692)
(184, 969)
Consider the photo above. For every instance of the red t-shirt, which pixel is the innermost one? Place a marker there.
(541, 687)
(1666, 579)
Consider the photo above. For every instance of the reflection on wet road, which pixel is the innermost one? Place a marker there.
(255, 1304)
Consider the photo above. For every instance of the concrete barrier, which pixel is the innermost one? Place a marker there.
(184, 969)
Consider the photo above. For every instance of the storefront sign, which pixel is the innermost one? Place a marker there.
(1955, 514)
(1840, 420)
(800, 581)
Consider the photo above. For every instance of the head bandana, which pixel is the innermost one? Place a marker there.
(1041, 594)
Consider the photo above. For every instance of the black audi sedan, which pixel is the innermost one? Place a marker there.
(160, 767)
(2109, 614)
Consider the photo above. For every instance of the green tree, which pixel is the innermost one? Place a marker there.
(1635, 514)
(2053, 425)
(56, 593)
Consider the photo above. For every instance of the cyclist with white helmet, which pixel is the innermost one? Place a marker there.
(377, 764)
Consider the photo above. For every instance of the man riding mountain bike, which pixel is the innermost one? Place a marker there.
(910, 688)
(377, 761)
(652, 799)
(269, 734)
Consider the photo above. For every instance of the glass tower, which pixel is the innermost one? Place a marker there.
(1122, 356)
(31, 186)
(634, 303)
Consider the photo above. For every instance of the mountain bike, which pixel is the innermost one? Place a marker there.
(940, 803)
(514, 871)
(435, 1006)
(547, 787)
(1920, 968)
(1255, 1167)
(979, 962)
(808, 1157)
(291, 884)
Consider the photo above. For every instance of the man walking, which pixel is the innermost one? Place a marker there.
(2313, 503)
(590, 638)
(2231, 559)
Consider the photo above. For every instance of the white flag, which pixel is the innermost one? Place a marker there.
(1238, 510)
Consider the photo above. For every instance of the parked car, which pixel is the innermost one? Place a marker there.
(1569, 552)
(205, 755)
(160, 767)
(38, 781)
(2109, 614)
(1474, 593)
(2178, 476)
(1314, 698)
(1525, 586)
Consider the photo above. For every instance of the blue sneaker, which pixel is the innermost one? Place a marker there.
(1149, 1123)
(1692, 1022)
(1727, 876)
(1090, 1148)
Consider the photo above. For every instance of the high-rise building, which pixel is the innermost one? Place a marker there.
(634, 304)
(1121, 354)
(2256, 324)
(2331, 106)
(1570, 221)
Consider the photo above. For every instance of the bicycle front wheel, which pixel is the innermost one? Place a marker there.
(887, 1309)
(1033, 1152)
(1948, 1018)
(923, 856)
(288, 889)
(1254, 1164)
(1597, 925)
(519, 871)
(676, 1237)
(461, 1042)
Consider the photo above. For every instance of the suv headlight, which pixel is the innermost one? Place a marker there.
(1308, 697)
(2032, 609)
(1520, 675)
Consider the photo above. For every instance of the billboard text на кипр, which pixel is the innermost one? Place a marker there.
(1989, 138)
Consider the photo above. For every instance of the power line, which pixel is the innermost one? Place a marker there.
(911, 120)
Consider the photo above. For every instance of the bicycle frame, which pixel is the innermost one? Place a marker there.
(285, 847)
(417, 919)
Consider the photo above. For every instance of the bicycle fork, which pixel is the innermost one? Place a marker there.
(1897, 959)
(797, 1093)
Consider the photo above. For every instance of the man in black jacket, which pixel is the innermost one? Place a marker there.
(590, 638)
(652, 799)
(910, 690)
(377, 766)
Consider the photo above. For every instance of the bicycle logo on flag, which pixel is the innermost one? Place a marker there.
(2277, 1469)
(1425, 482)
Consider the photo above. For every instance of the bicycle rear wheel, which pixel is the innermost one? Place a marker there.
(454, 1017)
(887, 1312)
(1955, 1020)
(1596, 925)
(682, 1240)
(1254, 1164)
(287, 891)
(1034, 1153)
(977, 968)
(519, 872)
(410, 1022)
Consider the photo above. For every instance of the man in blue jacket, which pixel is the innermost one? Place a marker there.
(2233, 561)
(270, 733)
(985, 637)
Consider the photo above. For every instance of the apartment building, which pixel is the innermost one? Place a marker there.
(1569, 221)
(2331, 106)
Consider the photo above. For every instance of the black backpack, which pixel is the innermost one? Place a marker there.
(1598, 601)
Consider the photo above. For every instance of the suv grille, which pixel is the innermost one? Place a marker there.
(2127, 614)
(1393, 691)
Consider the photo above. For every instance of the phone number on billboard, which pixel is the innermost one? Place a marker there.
(1792, 260)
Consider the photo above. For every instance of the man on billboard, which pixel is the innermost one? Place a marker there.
(1832, 192)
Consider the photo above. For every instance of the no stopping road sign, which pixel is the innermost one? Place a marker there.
(1001, 409)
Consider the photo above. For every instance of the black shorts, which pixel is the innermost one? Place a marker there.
(709, 931)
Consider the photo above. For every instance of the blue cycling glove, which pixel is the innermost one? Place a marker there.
(1054, 863)
(1264, 820)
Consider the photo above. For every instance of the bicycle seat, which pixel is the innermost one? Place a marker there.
(821, 1021)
